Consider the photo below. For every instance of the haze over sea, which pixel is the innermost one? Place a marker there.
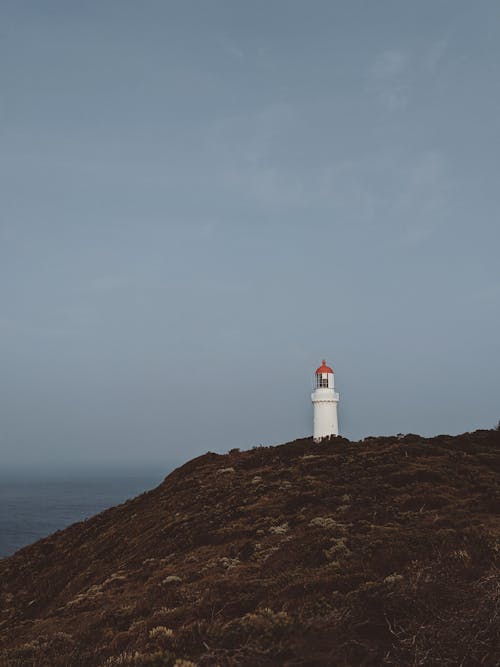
(34, 505)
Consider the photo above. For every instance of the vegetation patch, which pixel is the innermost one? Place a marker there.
(380, 552)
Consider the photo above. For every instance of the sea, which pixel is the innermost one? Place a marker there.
(34, 505)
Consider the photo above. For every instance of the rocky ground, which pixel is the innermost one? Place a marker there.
(380, 552)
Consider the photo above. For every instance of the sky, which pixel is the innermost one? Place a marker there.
(200, 201)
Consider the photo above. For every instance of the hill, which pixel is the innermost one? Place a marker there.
(379, 552)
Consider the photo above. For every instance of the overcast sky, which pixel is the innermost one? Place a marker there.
(201, 200)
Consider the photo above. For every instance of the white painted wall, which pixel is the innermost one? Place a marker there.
(325, 400)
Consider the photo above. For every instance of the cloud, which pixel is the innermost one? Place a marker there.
(388, 65)
(388, 80)
(435, 54)
(233, 51)
(243, 147)
(249, 136)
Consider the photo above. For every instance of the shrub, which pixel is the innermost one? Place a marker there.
(279, 530)
(228, 563)
(327, 522)
(338, 549)
(136, 659)
(161, 632)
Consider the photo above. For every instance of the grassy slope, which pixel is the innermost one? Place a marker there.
(379, 552)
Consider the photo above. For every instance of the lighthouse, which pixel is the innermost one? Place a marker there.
(324, 399)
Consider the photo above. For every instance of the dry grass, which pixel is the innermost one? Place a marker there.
(379, 552)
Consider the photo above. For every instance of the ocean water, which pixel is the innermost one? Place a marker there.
(34, 506)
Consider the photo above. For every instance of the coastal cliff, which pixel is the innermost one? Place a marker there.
(384, 551)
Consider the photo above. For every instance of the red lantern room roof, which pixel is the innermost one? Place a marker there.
(324, 368)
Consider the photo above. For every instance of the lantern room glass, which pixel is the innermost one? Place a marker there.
(322, 380)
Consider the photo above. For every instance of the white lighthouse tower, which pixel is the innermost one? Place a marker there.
(324, 399)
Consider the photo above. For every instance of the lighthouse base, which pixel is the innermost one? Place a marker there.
(318, 439)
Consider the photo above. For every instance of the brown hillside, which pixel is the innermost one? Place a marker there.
(382, 552)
